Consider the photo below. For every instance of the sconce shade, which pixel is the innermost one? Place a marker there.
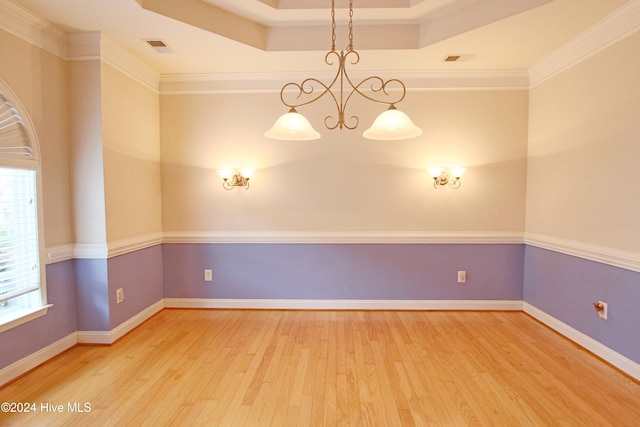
(247, 173)
(436, 172)
(392, 124)
(458, 172)
(225, 173)
(292, 126)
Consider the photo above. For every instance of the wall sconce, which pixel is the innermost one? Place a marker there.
(443, 177)
(232, 179)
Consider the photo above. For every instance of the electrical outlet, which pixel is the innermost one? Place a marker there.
(602, 309)
(208, 275)
(119, 295)
(462, 276)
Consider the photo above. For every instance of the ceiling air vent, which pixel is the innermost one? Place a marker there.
(459, 58)
(159, 45)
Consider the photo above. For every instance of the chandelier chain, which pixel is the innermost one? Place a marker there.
(387, 92)
(350, 47)
(333, 26)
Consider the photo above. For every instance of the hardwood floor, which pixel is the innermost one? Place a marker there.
(313, 368)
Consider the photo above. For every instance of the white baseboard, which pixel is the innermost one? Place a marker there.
(34, 359)
(621, 362)
(305, 304)
(81, 337)
(109, 337)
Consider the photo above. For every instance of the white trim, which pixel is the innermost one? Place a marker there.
(29, 362)
(90, 251)
(41, 33)
(31, 28)
(106, 250)
(347, 237)
(306, 304)
(94, 337)
(615, 27)
(59, 253)
(132, 244)
(23, 316)
(602, 254)
(95, 45)
(616, 359)
(228, 83)
(109, 337)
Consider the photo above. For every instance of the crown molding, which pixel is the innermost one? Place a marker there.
(29, 27)
(96, 46)
(621, 24)
(39, 32)
(220, 83)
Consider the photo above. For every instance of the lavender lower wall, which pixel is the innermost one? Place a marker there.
(344, 271)
(82, 292)
(139, 274)
(565, 287)
(59, 322)
(93, 294)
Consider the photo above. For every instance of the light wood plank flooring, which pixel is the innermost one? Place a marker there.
(332, 368)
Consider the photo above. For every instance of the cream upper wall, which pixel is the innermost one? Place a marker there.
(344, 182)
(584, 151)
(87, 156)
(40, 81)
(131, 150)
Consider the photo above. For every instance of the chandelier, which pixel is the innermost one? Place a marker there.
(390, 125)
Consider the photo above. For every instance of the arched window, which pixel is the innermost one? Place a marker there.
(22, 278)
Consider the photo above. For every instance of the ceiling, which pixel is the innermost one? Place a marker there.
(266, 36)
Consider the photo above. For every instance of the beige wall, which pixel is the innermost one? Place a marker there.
(98, 131)
(344, 182)
(131, 150)
(41, 82)
(87, 157)
(584, 151)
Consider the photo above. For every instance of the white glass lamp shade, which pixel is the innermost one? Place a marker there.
(292, 126)
(246, 173)
(458, 172)
(392, 124)
(435, 172)
(225, 173)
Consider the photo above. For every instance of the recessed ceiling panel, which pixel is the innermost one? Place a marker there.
(288, 25)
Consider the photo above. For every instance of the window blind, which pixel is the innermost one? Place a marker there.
(14, 140)
(19, 257)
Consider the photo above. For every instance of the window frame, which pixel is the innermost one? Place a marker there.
(25, 315)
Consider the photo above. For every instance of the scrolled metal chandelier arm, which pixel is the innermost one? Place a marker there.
(376, 84)
(380, 85)
(307, 88)
(341, 89)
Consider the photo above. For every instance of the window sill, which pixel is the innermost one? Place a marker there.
(22, 316)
